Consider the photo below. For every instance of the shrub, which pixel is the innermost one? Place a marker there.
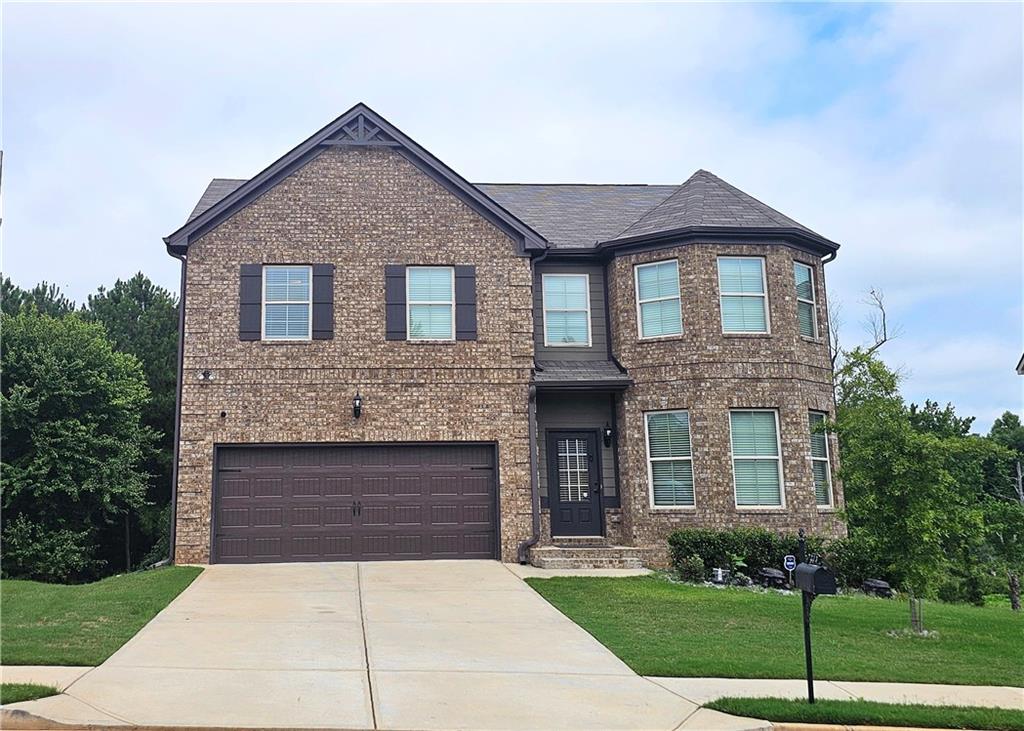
(856, 558)
(691, 568)
(754, 547)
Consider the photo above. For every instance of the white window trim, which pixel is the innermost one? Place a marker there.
(678, 298)
(544, 308)
(827, 459)
(264, 303)
(764, 296)
(778, 462)
(409, 302)
(813, 302)
(651, 460)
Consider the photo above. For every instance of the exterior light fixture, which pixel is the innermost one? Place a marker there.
(357, 405)
(608, 434)
(206, 376)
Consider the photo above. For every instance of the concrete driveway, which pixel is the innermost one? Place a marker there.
(413, 645)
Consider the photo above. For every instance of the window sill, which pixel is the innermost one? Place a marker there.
(816, 341)
(670, 509)
(780, 509)
(663, 338)
(429, 342)
(742, 336)
(304, 341)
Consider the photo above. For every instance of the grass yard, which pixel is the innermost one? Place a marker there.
(82, 624)
(18, 692)
(868, 713)
(662, 628)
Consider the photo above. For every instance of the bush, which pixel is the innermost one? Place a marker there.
(856, 558)
(691, 568)
(756, 547)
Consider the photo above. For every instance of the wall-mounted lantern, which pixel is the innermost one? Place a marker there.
(357, 405)
(608, 434)
(205, 376)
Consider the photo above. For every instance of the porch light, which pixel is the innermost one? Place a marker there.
(608, 434)
(357, 405)
(205, 376)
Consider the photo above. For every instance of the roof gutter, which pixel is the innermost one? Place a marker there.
(811, 242)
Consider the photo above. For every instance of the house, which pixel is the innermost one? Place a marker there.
(381, 360)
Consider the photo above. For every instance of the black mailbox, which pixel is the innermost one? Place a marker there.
(814, 579)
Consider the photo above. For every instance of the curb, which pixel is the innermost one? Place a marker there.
(842, 727)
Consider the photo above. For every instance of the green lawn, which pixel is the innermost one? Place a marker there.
(18, 692)
(868, 713)
(82, 624)
(662, 628)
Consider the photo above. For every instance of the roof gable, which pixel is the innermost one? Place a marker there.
(359, 126)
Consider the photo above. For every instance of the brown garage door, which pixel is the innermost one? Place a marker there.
(355, 502)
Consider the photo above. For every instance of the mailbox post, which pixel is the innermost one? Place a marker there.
(812, 580)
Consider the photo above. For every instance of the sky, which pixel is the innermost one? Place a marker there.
(895, 130)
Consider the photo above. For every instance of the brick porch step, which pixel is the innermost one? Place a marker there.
(585, 557)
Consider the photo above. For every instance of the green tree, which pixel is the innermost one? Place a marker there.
(898, 487)
(45, 298)
(73, 445)
(142, 319)
(930, 419)
(1004, 527)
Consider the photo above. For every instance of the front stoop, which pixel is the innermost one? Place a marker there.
(585, 553)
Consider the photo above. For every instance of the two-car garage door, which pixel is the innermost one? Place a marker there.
(354, 502)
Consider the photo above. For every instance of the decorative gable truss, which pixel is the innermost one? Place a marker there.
(362, 132)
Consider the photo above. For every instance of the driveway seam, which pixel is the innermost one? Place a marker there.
(366, 643)
(101, 710)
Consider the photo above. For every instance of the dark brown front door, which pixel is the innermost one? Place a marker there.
(574, 483)
(354, 502)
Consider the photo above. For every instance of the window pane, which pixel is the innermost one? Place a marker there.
(743, 314)
(804, 287)
(819, 447)
(753, 434)
(430, 322)
(565, 292)
(757, 482)
(658, 280)
(430, 284)
(566, 327)
(286, 322)
(669, 434)
(285, 284)
(822, 494)
(805, 314)
(740, 276)
(673, 482)
(660, 318)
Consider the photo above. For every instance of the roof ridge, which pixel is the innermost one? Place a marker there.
(776, 215)
(693, 180)
(592, 185)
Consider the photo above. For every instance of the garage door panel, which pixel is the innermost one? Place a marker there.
(355, 502)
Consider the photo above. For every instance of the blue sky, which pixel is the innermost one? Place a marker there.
(893, 129)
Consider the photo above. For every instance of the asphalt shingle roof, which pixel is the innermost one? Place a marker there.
(589, 371)
(583, 215)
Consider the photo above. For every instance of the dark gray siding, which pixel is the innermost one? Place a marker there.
(576, 411)
(598, 328)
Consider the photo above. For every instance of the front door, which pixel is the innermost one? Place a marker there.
(574, 483)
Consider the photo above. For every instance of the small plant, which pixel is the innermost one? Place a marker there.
(692, 568)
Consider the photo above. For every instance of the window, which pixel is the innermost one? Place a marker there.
(287, 303)
(741, 285)
(819, 460)
(566, 309)
(806, 308)
(757, 470)
(657, 299)
(430, 297)
(573, 470)
(669, 459)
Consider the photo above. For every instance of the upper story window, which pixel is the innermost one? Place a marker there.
(743, 293)
(756, 461)
(669, 459)
(566, 309)
(430, 303)
(287, 303)
(820, 466)
(806, 306)
(659, 311)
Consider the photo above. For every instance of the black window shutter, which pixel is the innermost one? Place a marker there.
(323, 301)
(394, 302)
(250, 298)
(465, 303)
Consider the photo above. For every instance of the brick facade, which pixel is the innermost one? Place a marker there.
(708, 373)
(363, 208)
(359, 209)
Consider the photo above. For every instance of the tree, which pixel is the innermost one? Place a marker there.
(1004, 526)
(73, 445)
(45, 298)
(898, 488)
(940, 422)
(142, 319)
(1008, 431)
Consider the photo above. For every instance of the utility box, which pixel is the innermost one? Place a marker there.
(814, 579)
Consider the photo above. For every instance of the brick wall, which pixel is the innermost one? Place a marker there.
(358, 209)
(708, 373)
